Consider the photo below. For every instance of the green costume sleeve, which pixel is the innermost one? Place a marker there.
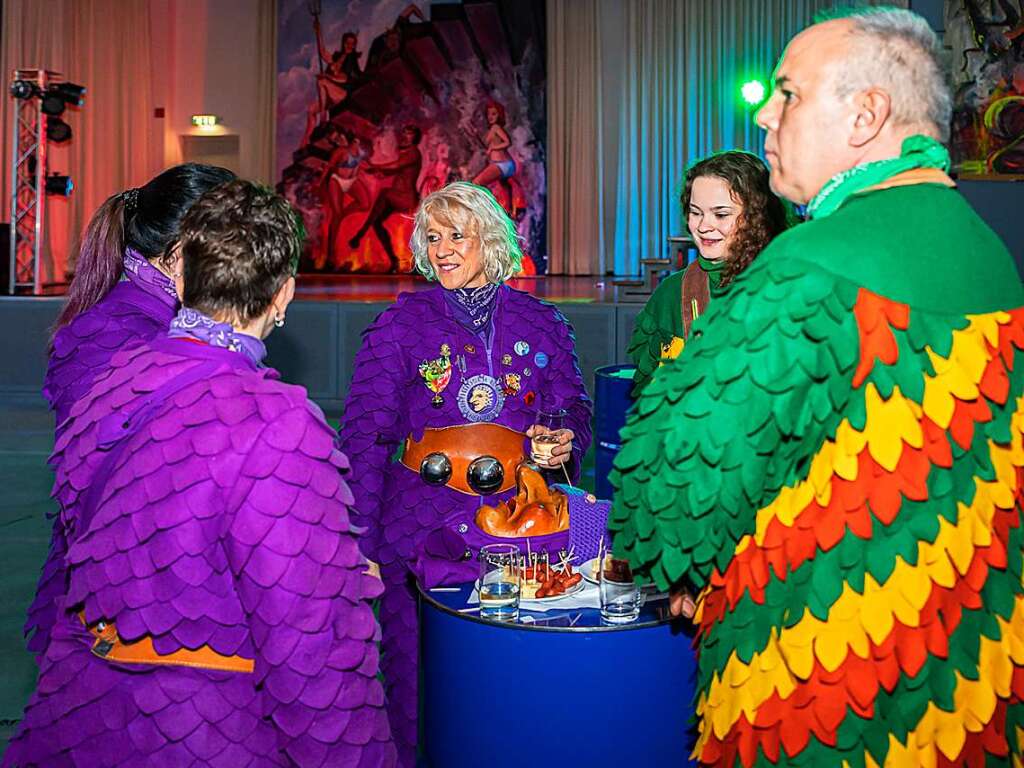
(716, 434)
(657, 324)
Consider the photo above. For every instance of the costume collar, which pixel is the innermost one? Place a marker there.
(917, 152)
(192, 324)
(472, 307)
(712, 268)
(140, 272)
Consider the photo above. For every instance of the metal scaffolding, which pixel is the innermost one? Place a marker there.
(28, 182)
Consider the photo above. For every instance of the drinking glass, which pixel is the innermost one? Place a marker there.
(499, 582)
(541, 445)
(620, 593)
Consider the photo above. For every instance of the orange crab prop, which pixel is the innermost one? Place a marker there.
(535, 510)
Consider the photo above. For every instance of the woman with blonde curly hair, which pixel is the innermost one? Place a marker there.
(455, 375)
(732, 215)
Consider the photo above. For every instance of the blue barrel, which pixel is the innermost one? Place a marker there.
(554, 692)
(612, 384)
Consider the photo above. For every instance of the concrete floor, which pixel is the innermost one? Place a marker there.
(26, 438)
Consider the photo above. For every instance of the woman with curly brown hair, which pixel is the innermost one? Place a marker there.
(732, 215)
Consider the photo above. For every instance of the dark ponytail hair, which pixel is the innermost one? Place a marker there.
(146, 220)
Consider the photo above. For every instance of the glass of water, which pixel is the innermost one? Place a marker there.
(620, 593)
(499, 582)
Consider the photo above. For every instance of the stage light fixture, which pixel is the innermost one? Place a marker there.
(57, 184)
(23, 89)
(52, 104)
(72, 93)
(753, 92)
(57, 130)
(59, 95)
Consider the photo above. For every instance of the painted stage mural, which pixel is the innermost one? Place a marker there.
(987, 42)
(381, 102)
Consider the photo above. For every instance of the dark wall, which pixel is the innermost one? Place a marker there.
(315, 349)
(1000, 203)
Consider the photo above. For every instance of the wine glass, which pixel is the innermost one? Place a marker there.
(545, 439)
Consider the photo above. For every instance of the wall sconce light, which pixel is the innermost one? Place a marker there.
(205, 121)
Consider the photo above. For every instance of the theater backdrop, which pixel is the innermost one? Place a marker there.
(381, 102)
(987, 42)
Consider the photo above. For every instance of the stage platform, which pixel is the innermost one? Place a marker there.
(317, 346)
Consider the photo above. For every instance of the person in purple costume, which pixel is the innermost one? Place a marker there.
(123, 292)
(218, 610)
(461, 368)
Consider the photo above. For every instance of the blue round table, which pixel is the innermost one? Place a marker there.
(557, 687)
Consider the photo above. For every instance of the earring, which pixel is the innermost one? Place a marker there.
(279, 321)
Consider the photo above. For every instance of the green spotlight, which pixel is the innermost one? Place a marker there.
(753, 92)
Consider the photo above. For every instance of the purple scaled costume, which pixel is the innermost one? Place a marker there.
(532, 352)
(137, 309)
(223, 523)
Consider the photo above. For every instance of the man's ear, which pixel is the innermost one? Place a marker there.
(872, 109)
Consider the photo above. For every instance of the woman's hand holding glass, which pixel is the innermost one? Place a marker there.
(551, 450)
(550, 440)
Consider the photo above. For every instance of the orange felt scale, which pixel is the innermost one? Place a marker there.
(876, 315)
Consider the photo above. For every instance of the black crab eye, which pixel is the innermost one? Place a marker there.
(436, 469)
(485, 475)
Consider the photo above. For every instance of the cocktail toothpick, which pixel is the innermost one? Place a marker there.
(565, 559)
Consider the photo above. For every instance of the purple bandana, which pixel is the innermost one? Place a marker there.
(473, 307)
(191, 324)
(138, 270)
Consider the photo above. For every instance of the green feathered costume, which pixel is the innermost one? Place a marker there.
(835, 465)
(662, 326)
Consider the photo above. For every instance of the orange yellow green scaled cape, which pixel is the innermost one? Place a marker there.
(835, 464)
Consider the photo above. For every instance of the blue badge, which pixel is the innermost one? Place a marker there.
(540, 360)
(481, 398)
(522, 348)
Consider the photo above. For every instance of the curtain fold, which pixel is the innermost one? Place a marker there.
(574, 127)
(667, 76)
(265, 133)
(118, 143)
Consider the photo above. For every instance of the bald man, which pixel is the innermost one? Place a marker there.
(830, 476)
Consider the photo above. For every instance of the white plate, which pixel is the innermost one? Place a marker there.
(587, 569)
(570, 591)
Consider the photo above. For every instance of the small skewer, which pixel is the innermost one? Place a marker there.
(566, 473)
